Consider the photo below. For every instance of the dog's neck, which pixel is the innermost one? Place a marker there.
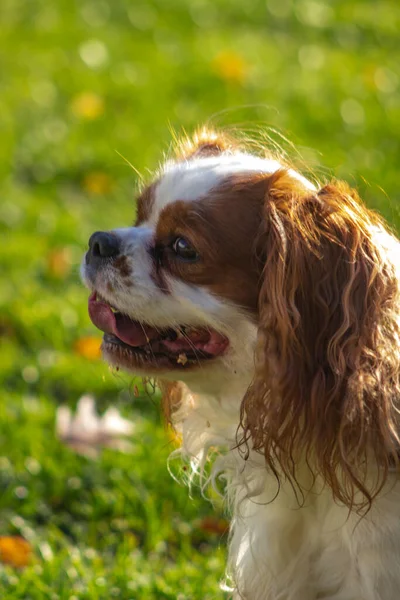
(209, 415)
(230, 387)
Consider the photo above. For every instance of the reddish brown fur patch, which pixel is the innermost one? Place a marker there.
(223, 229)
(205, 142)
(145, 203)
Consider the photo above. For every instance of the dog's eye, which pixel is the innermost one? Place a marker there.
(183, 249)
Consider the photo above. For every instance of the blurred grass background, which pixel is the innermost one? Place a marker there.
(82, 83)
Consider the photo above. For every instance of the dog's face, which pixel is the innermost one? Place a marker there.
(176, 294)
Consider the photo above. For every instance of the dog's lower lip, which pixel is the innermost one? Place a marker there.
(144, 358)
(112, 339)
(147, 349)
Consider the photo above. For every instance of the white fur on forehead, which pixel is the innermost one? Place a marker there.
(193, 179)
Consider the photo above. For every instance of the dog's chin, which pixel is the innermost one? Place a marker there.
(143, 360)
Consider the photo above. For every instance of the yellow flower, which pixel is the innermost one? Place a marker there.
(15, 551)
(230, 66)
(87, 105)
(59, 262)
(175, 437)
(97, 183)
(88, 347)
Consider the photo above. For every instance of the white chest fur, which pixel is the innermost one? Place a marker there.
(282, 546)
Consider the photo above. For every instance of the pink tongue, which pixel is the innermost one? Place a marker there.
(123, 327)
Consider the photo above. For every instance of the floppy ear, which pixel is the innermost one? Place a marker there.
(205, 142)
(326, 390)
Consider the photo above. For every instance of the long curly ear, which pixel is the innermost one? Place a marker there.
(326, 391)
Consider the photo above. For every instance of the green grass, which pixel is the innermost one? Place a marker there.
(79, 82)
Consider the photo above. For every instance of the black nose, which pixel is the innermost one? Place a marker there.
(103, 244)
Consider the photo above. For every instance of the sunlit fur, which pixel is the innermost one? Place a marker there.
(326, 388)
(300, 417)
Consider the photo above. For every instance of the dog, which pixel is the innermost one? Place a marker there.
(269, 308)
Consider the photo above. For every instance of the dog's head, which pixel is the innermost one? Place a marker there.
(239, 267)
(177, 294)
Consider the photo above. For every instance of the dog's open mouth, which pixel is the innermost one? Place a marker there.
(133, 344)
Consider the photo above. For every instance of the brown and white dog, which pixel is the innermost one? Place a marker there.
(275, 303)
